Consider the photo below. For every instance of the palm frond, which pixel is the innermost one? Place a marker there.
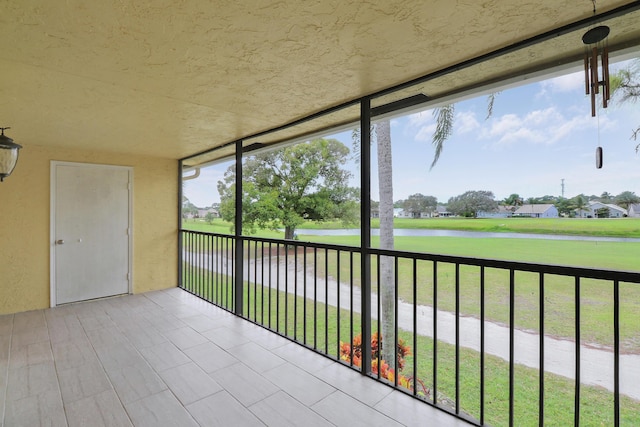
(444, 128)
(490, 101)
(355, 138)
(625, 84)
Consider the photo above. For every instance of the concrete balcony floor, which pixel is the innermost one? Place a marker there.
(167, 358)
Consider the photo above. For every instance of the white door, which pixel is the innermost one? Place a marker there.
(90, 231)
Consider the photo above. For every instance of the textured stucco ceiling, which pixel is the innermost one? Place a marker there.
(172, 78)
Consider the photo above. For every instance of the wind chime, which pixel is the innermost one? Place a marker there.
(596, 72)
(596, 64)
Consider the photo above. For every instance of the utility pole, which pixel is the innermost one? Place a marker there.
(562, 185)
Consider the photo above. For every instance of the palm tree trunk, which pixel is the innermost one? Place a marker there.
(387, 274)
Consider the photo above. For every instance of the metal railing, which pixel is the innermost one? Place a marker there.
(463, 320)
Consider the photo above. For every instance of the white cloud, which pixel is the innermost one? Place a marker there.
(466, 122)
(425, 133)
(421, 118)
(546, 126)
(563, 84)
(503, 125)
(422, 125)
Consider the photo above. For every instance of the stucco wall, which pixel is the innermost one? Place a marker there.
(24, 224)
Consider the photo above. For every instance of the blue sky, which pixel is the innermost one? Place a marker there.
(538, 134)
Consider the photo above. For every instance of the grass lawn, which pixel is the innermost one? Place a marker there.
(559, 311)
(323, 327)
(606, 255)
(619, 227)
(622, 227)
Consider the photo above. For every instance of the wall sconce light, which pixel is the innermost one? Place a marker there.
(8, 155)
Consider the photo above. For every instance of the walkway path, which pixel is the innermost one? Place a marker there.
(596, 364)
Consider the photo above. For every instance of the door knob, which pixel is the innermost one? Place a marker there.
(60, 242)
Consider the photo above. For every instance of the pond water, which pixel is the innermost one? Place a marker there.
(469, 234)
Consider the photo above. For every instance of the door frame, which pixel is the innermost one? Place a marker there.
(52, 222)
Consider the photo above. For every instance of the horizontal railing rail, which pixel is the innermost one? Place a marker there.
(459, 325)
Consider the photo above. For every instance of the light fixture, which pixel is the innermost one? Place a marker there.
(8, 155)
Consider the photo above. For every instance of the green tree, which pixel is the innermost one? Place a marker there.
(513, 200)
(472, 202)
(375, 207)
(547, 199)
(418, 203)
(606, 197)
(284, 187)
(188, 208)
(626, 198)
(564, 207)
(209, 217)
(579, 203)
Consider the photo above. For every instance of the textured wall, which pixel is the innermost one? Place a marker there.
(24, 224)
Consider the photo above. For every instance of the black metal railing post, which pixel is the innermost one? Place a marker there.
(541, 355)
(512, 327)
(457, 337)
(239, 264)
(482, 343)
(435, 334)
(577, 375)
(616, 353)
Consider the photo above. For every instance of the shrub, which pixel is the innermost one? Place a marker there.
(354, 350)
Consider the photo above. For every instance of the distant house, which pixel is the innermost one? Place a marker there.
(429, 214)
(596, 210)
(203, 213)
(401, 213)
(634, 210)
(502, 212)
(442, 211)
(537, 211)
(616, 211)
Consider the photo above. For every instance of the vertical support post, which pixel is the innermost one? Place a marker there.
(457, 349)
(180, 234)
(576, 416)
(616, 353)
(434, 390)
(395, 320)
(482, 343)
(541, 361)
(239, 264)
(512, 320)
(415, 324)
(365, 229)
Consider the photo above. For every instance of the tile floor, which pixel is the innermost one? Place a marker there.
(167, 358)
